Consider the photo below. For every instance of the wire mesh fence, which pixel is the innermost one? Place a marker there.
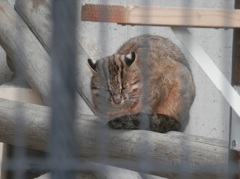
(81, 86)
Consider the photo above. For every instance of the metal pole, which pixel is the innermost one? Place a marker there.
(62, 98)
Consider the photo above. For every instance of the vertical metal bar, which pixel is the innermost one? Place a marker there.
(19, 153)
(101, 142)
(230, 168)
(62, 99)
(184, 144)
(143, 157)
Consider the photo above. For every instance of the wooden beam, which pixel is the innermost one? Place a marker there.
(22, 46)
(21, 94)
(162, 16)
(37, 18)
(34, 60)
(164, 154)
(27, 53)
(26, 95)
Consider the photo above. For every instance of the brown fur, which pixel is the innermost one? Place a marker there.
(155, 79)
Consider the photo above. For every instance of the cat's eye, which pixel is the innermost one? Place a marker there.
(134, 90)
(135, 82)
(95, 87)
(125, 87)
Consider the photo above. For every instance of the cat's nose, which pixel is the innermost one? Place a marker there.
(117, 99)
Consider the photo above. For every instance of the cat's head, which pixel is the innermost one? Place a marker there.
(115, 79)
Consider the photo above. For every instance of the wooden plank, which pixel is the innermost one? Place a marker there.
(165, 154)
(164, 16)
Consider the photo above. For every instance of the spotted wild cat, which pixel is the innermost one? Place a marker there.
(146, 84)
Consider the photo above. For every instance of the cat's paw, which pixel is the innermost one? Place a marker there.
(133, 121)
(162, 123)
(124, 122)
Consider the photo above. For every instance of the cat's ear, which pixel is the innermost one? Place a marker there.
(92, 65)
(130, 58)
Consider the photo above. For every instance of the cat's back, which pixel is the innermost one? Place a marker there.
(154, 45)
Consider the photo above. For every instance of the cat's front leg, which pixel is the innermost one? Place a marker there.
(154, 122)
(162, 123)
(133, 121)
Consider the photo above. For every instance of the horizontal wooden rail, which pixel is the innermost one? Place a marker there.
(162, 16)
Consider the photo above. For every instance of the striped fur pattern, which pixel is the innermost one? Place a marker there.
(148, 76)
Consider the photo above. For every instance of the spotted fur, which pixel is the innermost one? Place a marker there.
(148, 76)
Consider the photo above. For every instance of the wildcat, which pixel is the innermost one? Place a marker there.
(146, 84)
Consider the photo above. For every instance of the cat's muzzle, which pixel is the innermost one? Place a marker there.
(118, 100)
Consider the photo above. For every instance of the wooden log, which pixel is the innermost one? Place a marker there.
(38, 18)
(24, 48)
(164, 16)
(85, 175)
(166, 155)
(32, 57)
(30, 96)
(41, 26)
(21, 95)
(27, 95)
(18, 90)
(107, 172)
(14, 34)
